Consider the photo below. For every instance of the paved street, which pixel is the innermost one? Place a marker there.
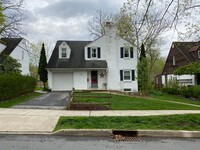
(51, 100)
(37, 142)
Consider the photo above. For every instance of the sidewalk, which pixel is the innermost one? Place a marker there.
(44, 121)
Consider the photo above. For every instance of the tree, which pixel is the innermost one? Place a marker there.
(11, 65)
(96, 25)
(2, 19)
(144, 85)
(13, 25)
(42, 67)
(35, 48)
(142, 55)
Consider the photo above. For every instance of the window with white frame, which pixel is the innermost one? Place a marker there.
(127, 75)
(126, 52)
(199, 54)
(94, 53)
(64, 52)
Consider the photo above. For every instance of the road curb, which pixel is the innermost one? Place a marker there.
(84, 132)
(24, 133)
(169, 133)
(140, 133)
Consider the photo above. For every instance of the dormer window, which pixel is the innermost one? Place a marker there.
(199, 54)
(64, 53)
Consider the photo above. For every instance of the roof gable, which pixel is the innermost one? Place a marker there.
(11, 44)
(182, 51)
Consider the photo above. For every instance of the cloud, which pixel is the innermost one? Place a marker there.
(72, 8)
(64, 19)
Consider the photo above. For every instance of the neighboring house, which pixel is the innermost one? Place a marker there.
(109, 62)
(180, 54)
(16, 48)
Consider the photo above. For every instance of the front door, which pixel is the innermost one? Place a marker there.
(94, 79)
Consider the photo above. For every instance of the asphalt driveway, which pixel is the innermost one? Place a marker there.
(51, 100)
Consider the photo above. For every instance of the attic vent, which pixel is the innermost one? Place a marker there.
(172, 45)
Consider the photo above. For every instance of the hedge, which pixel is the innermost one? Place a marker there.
(12, 85)
(188, 92)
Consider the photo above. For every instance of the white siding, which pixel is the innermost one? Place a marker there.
(184, 80)
(110, 51)
(21, 54)
(2, 47)
(80, 79)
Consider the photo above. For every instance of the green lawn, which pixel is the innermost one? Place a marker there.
(18, 100)
(120, 102)
(171, 122)
(176, 98)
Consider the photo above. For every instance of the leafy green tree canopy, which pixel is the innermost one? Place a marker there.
(11, 65)
(191, 69)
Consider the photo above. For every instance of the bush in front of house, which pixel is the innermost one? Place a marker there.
(13, 85)
(188, 92)
(171, 87)
(196, 92)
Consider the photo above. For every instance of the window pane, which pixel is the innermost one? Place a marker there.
(94, 53)
(127, 75)
(126, 52)
(64, 52)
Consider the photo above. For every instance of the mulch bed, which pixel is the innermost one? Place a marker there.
(88, 107)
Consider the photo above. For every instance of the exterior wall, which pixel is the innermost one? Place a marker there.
(2, 47)
(21, 54)
(110, 51)
(80, 80)
(50, 79)
(184, 80)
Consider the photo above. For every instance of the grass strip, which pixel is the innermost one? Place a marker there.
(18, 100)
(176, 98)
(171, 122)
(119, 102)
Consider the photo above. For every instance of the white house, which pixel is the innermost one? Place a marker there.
(16, 48)
(109, 62)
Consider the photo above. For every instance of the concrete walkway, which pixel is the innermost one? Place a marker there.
(44, 121)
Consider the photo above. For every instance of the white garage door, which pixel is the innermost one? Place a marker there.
(62, 81)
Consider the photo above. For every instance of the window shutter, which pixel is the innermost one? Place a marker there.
(131, 49)
(89, 52)
(99, 52)
(121, 75)
(122, 52)
(133, 75)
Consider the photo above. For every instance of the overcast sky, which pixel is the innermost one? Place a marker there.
(52, 20)
(64, 19)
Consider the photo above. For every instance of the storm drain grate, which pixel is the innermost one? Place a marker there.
(121, 138)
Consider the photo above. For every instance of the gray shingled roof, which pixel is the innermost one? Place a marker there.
(77, 57)
(11, 44)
